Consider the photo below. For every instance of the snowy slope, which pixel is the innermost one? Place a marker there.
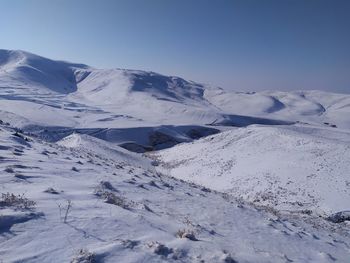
(122, 211)
(102, 149)
(30, 73)
(294, 168)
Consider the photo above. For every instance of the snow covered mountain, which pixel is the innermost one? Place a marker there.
(78, 96)
(228, 176)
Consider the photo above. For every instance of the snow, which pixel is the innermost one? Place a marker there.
(157, 207)
(303, 106)
(293, 168)
(268, 183)
(102, 149)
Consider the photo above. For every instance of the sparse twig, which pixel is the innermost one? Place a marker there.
(69, 205)
(65, 209)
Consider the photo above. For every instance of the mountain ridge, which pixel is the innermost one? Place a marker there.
(40, 92)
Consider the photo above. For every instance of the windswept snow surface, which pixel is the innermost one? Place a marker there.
(259, 193)
(123, 212)
(294, 168)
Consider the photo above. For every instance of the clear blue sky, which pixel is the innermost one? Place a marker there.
(240, 45)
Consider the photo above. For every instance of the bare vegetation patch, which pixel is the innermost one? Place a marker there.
(160, 249)
(185, 233)
(84, 256)
(16, 201)
(106, 191)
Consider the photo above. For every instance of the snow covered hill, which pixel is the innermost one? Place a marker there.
(303, 106)
(295, 168)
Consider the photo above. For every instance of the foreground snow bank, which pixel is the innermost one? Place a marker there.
(90, 203)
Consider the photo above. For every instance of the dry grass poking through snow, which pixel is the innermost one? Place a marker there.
(16, 201)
